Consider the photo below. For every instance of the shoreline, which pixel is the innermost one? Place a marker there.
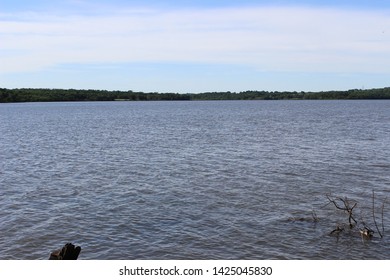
(59, 95)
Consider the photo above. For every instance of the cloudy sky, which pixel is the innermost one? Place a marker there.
(195, 46)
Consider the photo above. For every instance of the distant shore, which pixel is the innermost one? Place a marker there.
(58, 95)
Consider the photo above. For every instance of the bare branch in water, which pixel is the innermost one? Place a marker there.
(373, 215)
(346, 208)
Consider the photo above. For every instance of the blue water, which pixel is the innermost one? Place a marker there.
(193, 180)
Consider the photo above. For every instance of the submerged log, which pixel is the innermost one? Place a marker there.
(68, 252)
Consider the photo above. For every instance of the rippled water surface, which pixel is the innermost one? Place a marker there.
(192, 180)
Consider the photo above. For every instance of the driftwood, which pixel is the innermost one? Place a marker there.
(373, 215)
(68, 252)
(348, 206)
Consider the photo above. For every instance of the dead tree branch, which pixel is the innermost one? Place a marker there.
(347, 208)
(373, 215)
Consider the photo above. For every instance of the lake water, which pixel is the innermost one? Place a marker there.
(193, 180)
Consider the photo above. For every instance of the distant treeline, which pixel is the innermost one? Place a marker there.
(48, 95)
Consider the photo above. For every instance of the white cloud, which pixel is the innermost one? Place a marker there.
(267, 38)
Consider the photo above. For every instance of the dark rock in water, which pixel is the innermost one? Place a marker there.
(68, 252)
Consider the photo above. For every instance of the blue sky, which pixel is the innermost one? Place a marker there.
(195, 46)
